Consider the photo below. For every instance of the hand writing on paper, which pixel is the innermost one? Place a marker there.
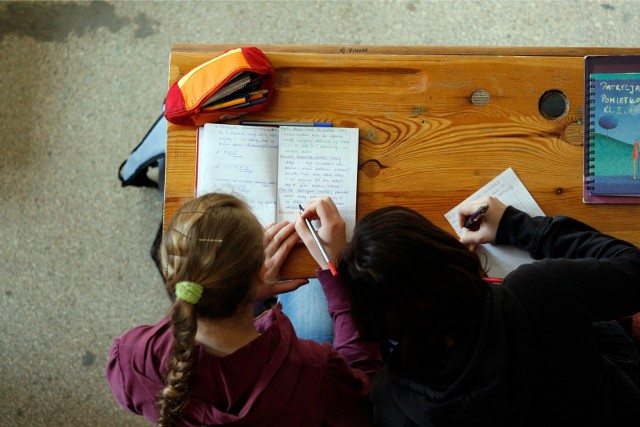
(486, 228)
(332, 230)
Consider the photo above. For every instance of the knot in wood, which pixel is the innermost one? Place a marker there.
(372, 167)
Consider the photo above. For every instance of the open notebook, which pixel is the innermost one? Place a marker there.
(507, 187)
(276, 169)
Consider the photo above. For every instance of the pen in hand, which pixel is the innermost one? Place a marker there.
(319, 243)
(476, 216)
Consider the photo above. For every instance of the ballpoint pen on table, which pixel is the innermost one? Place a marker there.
(319, 243)
(305, 124)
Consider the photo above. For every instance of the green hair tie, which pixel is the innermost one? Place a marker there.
(189, 291)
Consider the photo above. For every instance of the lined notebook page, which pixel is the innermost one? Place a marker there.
(276, 169)
(318, 162)
(507, 187)
(241, 160)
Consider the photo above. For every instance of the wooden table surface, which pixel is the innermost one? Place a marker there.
(424, 143)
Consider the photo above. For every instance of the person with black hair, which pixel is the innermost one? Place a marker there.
(541, 349)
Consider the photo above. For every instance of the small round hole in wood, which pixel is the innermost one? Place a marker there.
(480, 97)
(553, 104)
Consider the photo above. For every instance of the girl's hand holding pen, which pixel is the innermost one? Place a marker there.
(484, 221)
(331, 232)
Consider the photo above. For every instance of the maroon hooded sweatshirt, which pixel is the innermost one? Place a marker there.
(277, 379)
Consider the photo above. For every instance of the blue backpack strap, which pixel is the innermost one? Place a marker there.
(133, 171)
(149, 153)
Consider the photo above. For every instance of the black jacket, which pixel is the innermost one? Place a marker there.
(531, 357)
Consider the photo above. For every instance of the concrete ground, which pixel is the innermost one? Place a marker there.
(80, 84)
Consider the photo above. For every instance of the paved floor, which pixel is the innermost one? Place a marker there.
(81, 82)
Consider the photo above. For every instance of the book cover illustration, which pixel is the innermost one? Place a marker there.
(614, 163)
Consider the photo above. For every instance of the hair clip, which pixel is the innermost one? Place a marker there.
(211, 240)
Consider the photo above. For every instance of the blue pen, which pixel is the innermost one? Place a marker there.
(305, 124)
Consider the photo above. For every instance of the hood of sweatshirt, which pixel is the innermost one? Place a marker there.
(227, 390)
(481, 382)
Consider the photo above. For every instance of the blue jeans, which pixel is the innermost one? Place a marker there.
(306, 307)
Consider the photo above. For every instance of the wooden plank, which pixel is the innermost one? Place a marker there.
(423, 143)
(208, 49)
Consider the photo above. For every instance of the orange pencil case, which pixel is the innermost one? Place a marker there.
(234, 83)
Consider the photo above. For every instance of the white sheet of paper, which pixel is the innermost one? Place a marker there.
(318, 162)
(507, 187)
(243, 161)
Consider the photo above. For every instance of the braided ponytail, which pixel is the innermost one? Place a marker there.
(216, 242)
(174, 396)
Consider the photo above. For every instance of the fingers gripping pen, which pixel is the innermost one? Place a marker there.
(314, 233)
(476, 216)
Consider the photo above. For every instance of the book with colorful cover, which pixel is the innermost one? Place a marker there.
(612, 130)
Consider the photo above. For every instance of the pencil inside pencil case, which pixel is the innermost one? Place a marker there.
(234, 83)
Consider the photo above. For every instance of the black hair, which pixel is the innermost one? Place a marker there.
(410, 281)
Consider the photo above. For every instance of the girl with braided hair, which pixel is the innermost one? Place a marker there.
(210, 362)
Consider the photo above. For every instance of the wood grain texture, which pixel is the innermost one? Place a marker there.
(423, 143)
